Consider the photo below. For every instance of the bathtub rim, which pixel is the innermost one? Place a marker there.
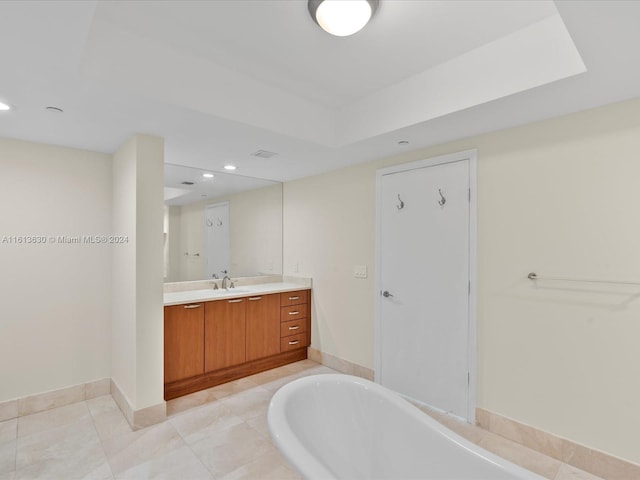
(310, 467)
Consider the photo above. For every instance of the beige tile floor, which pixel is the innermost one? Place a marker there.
(220, 433)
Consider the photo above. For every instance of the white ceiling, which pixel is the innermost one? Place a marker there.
(222, 79)
(177, 193)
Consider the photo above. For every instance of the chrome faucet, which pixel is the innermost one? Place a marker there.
(225, 285)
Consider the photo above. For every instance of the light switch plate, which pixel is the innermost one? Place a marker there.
(360, 271)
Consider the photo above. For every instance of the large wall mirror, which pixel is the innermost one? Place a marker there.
(218, 224)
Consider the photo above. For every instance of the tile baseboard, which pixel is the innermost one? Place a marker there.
(142, 418)
(40, 402)
(339, 364)
(122, 402)
(593, 461)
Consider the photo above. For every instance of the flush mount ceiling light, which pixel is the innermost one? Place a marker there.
(342, 17)
(229, 167)
(207, 175)
(5, 107)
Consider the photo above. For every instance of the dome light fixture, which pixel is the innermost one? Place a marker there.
(342, 17)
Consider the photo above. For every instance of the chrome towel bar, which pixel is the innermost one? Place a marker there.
(535, 276)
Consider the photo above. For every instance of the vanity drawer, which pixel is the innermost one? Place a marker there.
(293, 312)
(294, 298)
(293, 327)
(294, 341)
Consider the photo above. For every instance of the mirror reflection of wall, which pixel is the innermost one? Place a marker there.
(247, 211)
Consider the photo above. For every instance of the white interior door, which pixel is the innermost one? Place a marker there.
(423, 328)
(218, 240)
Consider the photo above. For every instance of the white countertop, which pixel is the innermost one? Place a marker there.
(194, 296)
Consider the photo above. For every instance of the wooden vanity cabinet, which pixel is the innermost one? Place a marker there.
(183, 341)
(263, 326)
(214, 342)
(224, 333)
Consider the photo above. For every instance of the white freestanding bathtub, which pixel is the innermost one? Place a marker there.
(334, 426)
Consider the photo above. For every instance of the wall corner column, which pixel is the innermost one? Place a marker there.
(137, 323)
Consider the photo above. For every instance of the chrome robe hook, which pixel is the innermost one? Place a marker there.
(401, 205)
(443, 200)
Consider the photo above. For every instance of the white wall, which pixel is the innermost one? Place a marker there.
(137, 340)
(123, 338)
(56, 298)
(558, 197)
(149, 278)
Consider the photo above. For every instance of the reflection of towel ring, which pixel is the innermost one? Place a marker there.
(209, 223)
(219, 222)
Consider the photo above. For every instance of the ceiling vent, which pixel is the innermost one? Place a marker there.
(263, 154)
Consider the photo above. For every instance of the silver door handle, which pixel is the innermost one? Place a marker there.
(192, 306)
(386, 294)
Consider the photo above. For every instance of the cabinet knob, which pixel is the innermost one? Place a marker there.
(295, 342)
(294, 298)
(192, 306)
(255, 298)
(294, 313)
(235, 301)
(294, 328)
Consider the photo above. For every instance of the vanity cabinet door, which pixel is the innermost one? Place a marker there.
(183, 341)
(224, 331)
(263, 326)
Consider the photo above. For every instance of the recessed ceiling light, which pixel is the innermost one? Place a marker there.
(207, 175)
(5, 107)
(229, 167)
